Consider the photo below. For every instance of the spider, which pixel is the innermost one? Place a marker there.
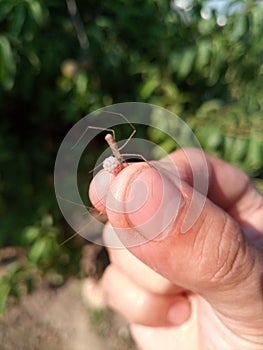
(116, 162)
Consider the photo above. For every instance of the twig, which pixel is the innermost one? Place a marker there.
(78, 24)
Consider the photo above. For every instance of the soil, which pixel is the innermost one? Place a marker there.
(73, 316)
(59, 319)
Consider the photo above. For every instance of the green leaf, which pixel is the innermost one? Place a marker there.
(239, 27)
(4, 293)
(254, 158)
(203, 54)
(239, 149)
(19, 18)
(229, 142)
(36, 11)
(214, 138)
(7, 64)
(6, 6)
(34, 59)
(210, 138)
(208, 107)
(149, 86)
(259, 185)
(30, 234)
(37, 250)
(47, 220)
(186, 64)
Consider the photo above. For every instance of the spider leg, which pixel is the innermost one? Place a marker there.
(135, 155)
(131, 125)
(94, 128)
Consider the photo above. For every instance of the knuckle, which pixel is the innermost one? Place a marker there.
(227, 257)
(226, 264)
(230, 255)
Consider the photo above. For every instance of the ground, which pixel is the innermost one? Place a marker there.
(60, 319)
(70, 317)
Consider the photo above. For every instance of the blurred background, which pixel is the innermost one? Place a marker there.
(61, 60)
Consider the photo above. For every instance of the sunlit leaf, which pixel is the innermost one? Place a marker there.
(203, 54)
(31, 233)
(239, 27)
(239, 149)
(254, 158)
(186, 63)
(37, 250)
(36, 10)
(149, 86)
(7, 64)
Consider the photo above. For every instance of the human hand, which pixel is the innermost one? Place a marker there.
(198, 290)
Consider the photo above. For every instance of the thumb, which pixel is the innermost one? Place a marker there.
(212, 258)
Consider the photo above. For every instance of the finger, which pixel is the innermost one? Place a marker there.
(140, 306)
(98, 193)
(182, 338)
(211, 259)
(135, 269)
(228, 187)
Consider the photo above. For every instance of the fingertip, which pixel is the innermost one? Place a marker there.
(98, 190)
(101, 185)
(179, 312)
(143, 198)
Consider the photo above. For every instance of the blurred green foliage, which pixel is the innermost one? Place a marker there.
(140, 50)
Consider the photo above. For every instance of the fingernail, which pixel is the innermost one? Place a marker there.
(179, 312)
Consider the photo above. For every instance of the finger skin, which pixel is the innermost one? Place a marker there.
(229, 188)
(214, 257)
(99, 192)
(180, 338)
(136, 270)
(141, 306)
